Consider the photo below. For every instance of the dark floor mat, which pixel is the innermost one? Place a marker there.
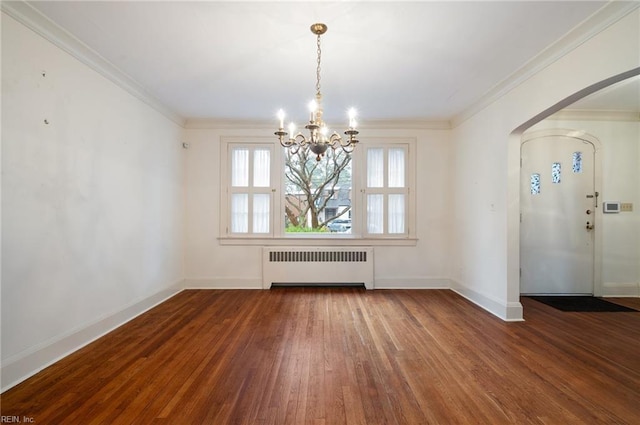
(580, 303)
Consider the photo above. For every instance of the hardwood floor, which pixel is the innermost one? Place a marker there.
(344, 356)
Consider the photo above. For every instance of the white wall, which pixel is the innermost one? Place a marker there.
(620, 154)
(92, 204)
(486, 164)
(210, 264)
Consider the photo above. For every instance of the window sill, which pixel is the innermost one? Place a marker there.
(316, 240)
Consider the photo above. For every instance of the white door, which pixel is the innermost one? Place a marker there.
(558, 202)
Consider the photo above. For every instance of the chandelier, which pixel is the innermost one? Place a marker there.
(318, 139)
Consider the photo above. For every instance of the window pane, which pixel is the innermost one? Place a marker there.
(375, 167)
(261, 204)
(239, 213)
(396, 213)
(396, 167)
(240, 167)
(261, 167)
(316, 192)
(375, 213)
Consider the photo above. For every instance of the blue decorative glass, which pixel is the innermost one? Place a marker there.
(535, 184)
(556, 169)
(577, 162)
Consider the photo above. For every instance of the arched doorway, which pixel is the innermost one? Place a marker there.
(513, 255)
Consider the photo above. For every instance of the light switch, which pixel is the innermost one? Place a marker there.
(626, 207)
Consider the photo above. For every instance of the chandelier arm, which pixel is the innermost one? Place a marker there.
(348, 148)
(287, 144)
(300, 140)
(351, 141)
(284, 142)
(295, 149)
(335, 140)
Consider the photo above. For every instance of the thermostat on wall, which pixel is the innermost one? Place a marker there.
(611, 207)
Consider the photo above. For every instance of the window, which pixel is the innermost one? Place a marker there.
(249, 193)
(263, 200)
(317, 193)
(386, 190)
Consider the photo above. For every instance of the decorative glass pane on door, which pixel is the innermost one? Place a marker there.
(577, 162)
(556, 169)
(535, 184)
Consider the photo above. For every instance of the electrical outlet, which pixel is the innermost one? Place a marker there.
(626, 207)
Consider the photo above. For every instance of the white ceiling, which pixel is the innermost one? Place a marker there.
(391, 60)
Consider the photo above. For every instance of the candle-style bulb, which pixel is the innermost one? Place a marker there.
(352, 118)
(313, 107)
(281, 118)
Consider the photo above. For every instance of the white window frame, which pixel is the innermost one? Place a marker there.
(409, 146)
(277, 235)
(227, 190)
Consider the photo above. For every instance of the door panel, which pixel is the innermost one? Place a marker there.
(557, 200)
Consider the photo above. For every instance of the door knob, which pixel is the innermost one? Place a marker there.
(589, 226)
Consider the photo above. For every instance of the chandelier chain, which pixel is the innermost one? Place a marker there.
(318, 68)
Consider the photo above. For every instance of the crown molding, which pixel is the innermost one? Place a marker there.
(43, 26)
(593, 25)
(415, 124)
(222, 124)
(226, 124)
(595, 115)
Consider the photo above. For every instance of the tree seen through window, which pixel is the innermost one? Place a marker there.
(317, 193)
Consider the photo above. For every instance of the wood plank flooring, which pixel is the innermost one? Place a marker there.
(344, 356)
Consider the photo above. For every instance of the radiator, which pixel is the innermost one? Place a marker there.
(320, 266)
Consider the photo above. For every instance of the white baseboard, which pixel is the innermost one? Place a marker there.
(507, 311)
(384, 283)
(511, 312)
(222, 283)
(26, 364)
(621, 289)
(412, 283)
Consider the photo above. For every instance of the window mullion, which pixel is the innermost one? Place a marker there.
(250, 189)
